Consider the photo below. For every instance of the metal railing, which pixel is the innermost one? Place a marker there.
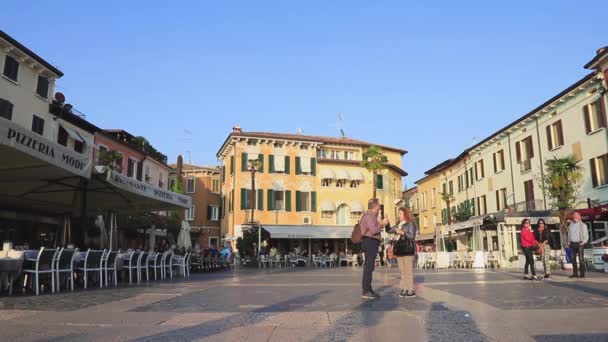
(531, 205)
(525, 165)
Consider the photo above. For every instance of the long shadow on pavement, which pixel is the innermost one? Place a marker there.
(580, 287)
(448, 325)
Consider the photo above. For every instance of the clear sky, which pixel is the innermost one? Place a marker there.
(429, 77)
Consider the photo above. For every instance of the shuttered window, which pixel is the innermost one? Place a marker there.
(6, 109)
(594, 115)
(42, 87)
(379, 182)
(599, 170)
(37, 124)
(11, 68)
(555, 135)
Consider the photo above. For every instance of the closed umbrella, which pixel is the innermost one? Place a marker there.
(152, 232)
(183, 239)
(103, 236)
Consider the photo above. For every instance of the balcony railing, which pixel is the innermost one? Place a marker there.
(525, 165)
(532, 205)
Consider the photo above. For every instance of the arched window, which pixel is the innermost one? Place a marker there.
(343, 215)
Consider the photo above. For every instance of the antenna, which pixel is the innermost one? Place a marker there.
(340, 125)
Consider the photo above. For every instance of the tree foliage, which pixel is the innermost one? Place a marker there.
(142, 144)
(111, 159)
(374, 161)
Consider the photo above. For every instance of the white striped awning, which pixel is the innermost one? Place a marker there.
(328, 206)
(342, 174)
(356, 207)
(356, 175)
(327, 174)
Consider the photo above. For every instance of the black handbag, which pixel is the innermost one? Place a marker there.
(404, 247)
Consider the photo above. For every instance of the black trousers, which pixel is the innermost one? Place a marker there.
(576, 249)
(529, 253)
(370, 248)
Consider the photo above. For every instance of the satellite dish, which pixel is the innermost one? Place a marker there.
(59, 97)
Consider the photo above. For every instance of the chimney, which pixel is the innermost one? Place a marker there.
(237, 128)
(601, 50)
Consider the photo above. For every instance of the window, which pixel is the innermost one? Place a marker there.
(501, 199)
(214, 241)
(147, 176)
(379, 182)
(451, 187)
(160, 180)
(434, 220)
(343, 215)
(433, 194)
(325, 182)
(213, 213)
(444, 188)
(471, 179)
(189, 214)
(460, 183)
(599, 170)
(482, 205)
(499, 161)
(424, 222)
(305, 201)
(38, 125)
(171, 183)
(231, 201)
(279, 200)
(6, 109)
(62, 137)
(322, 154)
(340, 183)
(334, 155)
(479, 170)
(595, 116)
(350, 155)
(529, 195)
(42, 87)
(131, 168)
(11, 68)
(190, 185)
(424, 201)
(555, 135)
(354, 183)
(252, 142)
(78, 146)
(524, 152)
(215, 186)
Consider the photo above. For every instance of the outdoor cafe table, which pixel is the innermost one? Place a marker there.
(10, 268)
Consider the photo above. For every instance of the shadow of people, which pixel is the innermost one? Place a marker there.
(443, 324)
(580, 287)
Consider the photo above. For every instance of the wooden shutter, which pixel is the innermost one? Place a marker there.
(287, 200)
(209, 213)
(518, 152)
(587, 119)
(313, 166)
(593, 173)
(560, 133)
(261, 160)
(379, 182)
(243, 198)
(298, 201)
(313, 201)
(271, 163)
(231, 204)
(298, 166)
(495, 165)
(483, 172)
(260, 203)
(529, 148)
(244, 162)
(287, 165)
(485, 204)
(602, 109)
(549, 138)
(6, 109)
(502, 160)
(223, 209)
(223, 173)
(270, 204)
(497, 200)
(231, 164)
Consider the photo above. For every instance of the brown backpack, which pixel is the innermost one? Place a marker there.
(357, 235)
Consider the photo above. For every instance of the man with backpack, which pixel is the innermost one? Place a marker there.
(370, 228)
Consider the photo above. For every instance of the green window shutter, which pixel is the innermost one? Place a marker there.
(260, 200)
(313, 201)
(270, 204)
(288, 200)
(231, 164)
(379, 182)
(473, 207)
(444, 216)
(298, 166)
(208, 213)
(287, 165)
(244, 162)
(313, 166)
(231, 204)
(271, 163)
(298, 201)
(261, 160)
(243, 199)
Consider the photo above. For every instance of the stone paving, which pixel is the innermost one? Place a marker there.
(318, 305)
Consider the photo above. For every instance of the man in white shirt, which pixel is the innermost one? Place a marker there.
(578, 236)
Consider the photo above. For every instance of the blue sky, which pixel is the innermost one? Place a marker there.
(429, 78)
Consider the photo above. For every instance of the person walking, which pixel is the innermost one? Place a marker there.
(578, 236)
(406, 228)
(370, 226)
(544, 243)
(528, 245)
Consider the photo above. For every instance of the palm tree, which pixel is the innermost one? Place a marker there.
(448, 198)
(374, 161)
(562, 184)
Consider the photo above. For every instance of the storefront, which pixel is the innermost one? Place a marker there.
(309, 239)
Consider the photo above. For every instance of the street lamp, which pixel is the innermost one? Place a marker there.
(254, 165)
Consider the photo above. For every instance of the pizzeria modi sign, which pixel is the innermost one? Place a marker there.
(37, 146)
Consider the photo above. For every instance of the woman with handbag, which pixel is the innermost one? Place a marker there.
(404, 248)
(528, 245)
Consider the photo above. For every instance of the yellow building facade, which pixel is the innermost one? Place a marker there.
(429, 197)
(307, 187)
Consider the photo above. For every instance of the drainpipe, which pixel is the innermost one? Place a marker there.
(542, 171)
(511, 167)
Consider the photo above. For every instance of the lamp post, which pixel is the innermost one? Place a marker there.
(254, 164)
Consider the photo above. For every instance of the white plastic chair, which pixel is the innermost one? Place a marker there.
(180, 263)
(132, 264)
(142, 266)
(157, 264)
(166, 265)
(43, 264)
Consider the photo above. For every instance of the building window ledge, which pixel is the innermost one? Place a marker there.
(41, 98)
(596, 131)
(556, 148)
(527, 171)
(11, 80)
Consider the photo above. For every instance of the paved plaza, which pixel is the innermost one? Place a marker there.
(319, 305)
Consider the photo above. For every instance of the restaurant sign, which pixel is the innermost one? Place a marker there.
(133, 185)
(43, 149)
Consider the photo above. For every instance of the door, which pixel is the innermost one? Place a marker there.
(529, 193)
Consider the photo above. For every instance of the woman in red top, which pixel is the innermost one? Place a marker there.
(528, 245)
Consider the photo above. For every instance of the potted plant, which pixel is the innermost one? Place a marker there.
(605, 260)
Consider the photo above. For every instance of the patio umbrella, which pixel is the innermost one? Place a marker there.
(183, 239)
(67, 229)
